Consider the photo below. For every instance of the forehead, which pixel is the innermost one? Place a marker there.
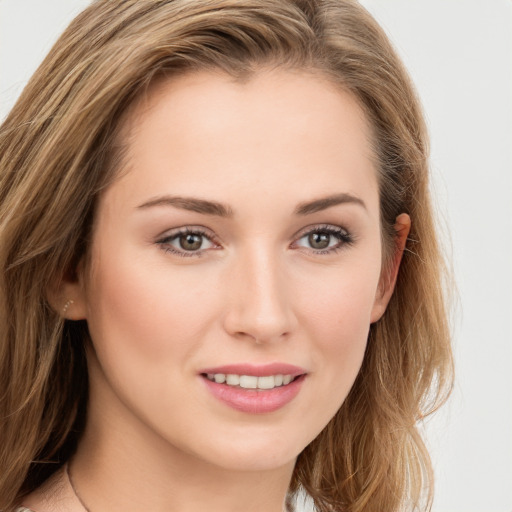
(281, 127)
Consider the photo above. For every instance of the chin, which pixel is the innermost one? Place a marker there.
(254, 451)
(252, 462)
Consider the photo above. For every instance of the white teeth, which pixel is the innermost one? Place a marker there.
(251, 381)
(266, 382)
(233, 380)
(248, 381)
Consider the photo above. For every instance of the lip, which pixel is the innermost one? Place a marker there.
(262, 370)
(252, 401)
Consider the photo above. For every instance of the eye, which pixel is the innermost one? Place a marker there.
(325, 239)
(187, 242)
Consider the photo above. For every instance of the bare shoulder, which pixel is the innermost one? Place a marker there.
(55, 495)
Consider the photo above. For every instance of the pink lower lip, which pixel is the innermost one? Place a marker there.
(253, 400)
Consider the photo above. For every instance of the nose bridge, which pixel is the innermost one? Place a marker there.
(260, 305)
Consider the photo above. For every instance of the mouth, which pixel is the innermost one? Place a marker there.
(255, 382)
(253, 388)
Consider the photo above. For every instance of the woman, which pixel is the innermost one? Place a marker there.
(220, 273)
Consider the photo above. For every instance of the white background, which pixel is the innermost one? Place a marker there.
(459, 53)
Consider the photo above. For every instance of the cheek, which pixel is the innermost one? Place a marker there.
(147, 325)
(139, 307)
(339, 304)
(341, 334)
(337, 316)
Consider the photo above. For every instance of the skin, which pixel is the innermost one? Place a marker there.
(255, 292)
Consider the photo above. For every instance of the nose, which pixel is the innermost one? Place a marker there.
(259, 305)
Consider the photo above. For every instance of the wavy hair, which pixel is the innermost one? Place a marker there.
(60, 146)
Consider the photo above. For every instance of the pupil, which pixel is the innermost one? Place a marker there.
(319, 240)
(190, 242)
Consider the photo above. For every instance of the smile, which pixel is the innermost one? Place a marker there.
(254, 389)
(251, 381)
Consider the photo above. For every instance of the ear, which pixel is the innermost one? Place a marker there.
(67, 295)
(389, 273)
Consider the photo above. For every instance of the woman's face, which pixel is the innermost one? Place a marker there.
(241, 239)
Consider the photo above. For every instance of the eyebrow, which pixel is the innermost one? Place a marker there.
(206, 207)
(192, 204)
(323, 203)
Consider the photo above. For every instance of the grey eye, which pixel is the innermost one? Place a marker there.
(191, 241)
(319, 240)
(188, 242)
(325, 239)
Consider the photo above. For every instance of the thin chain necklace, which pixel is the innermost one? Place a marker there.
(70, 480)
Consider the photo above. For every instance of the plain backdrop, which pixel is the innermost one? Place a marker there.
(459, 53)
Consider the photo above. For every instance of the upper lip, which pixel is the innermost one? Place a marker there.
(258, 370)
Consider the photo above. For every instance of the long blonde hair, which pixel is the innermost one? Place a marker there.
(60, 146)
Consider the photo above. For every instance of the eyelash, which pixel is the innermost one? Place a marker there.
(344, 239)
(164, 242)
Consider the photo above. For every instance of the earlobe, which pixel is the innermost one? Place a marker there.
(390, 272)
(67, 297)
